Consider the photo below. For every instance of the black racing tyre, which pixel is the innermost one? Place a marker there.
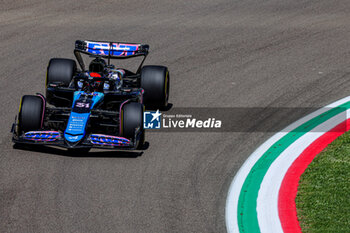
(131, 118)
(31, 113)
(61, 70)
(155, 82)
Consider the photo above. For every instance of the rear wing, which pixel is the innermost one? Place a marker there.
(110, 50)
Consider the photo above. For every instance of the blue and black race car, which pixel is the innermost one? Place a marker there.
(98, 106)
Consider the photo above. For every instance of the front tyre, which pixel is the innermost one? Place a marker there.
(155, 82)
(31, 114)
(131, 119)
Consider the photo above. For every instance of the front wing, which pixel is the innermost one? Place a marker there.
(55, 138)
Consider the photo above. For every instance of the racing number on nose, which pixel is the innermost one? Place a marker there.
(82, 105)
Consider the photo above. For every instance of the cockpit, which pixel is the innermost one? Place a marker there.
(100, 77)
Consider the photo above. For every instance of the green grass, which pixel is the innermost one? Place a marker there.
(323, 198)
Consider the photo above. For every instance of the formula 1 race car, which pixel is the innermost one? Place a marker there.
(102, 106)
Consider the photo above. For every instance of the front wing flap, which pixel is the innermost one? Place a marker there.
(55, 138)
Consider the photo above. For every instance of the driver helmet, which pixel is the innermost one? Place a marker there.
(97, 65)
(117, 76)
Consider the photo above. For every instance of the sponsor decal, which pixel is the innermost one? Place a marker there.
(116, 49)
(72, 137)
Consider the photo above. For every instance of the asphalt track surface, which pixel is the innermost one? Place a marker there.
(220, 54)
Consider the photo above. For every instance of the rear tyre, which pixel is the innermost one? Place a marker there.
(31, 113)
(131, 119)
(155, 82)
(59, 71)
